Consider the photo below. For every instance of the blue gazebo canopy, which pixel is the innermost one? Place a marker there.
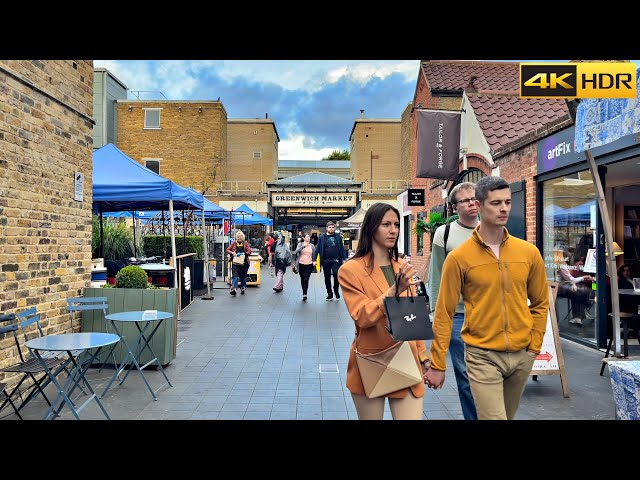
(122, 184)
(243, 215)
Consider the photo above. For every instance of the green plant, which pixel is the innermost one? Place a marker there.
(435, 220)
(118, 238)
(132, 277)
(158, 245)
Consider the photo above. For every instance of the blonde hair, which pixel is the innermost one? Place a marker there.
(239, 233)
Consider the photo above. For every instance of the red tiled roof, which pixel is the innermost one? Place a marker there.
(507, 118)
(456, 75)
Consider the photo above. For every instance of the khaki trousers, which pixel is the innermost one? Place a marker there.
(497, 380)
(407, 408)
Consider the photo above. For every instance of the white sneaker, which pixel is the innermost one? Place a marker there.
(576, 320)
(588, 315)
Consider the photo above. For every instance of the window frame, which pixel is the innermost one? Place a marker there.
(158, 160)
(148, 127)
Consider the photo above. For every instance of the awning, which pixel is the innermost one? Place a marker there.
(354, 222)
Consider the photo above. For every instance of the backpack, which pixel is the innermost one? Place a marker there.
(283, 255)
(446, 236)
(288, 258)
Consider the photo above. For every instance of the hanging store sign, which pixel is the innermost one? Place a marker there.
(416, 197)
(314, 199)
(438, 142)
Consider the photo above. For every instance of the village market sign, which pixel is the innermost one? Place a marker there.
(314, 200)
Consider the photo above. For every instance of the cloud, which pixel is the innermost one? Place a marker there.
(298, 147)
(313, 103)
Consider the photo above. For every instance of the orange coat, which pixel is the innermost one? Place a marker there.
(363, 294)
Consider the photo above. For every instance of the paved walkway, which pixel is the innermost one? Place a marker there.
(270, 356)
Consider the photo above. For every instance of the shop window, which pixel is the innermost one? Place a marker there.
(568, 235)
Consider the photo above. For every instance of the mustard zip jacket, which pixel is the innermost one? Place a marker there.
(495, 293)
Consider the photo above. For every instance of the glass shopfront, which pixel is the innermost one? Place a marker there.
(568, 238)
(569, 225)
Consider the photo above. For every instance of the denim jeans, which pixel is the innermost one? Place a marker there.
(456, 350)
(239, 276)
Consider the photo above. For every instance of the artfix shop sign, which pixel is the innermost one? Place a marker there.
(314, 199)
(558, 150)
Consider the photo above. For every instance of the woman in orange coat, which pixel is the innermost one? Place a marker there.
(365, 280)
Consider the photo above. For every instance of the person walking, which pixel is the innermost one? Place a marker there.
(282, 258)
(445, 239)
(366, 280)
(331, 254)
(271, 244)
(303, 263)
(239, 271)
(503, 283)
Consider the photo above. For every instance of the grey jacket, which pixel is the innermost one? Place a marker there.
(296, 255)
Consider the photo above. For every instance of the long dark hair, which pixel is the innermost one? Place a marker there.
(372, 220)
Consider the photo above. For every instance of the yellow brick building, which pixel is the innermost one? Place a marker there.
(46, 122)
(184, 141)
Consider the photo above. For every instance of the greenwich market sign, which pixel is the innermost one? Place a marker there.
(314, 200)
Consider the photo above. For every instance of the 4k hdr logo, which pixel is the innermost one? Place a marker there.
(578, 80)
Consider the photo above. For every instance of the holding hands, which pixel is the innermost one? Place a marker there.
(434, 378)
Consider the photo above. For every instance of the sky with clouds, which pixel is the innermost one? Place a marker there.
(313, 103)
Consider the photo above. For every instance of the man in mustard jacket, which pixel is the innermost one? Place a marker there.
(497, 276)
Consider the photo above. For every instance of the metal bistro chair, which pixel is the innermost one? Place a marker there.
(3, 389)
(27, 318)
(29, 367)
(83, 304)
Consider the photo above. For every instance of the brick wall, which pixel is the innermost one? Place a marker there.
(381, 139)
(45, 235)
(433, 196)
(191, 142)
(521, 164)
(245, 138)
(405, 144)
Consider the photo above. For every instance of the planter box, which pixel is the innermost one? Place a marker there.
(131, 299)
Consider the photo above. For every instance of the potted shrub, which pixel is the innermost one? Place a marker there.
(132, 277)
(133, 292)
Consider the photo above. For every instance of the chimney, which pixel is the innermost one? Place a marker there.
(471, 86)
(361, 113)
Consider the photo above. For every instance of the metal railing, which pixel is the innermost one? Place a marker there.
(231, 187)
(385, 186)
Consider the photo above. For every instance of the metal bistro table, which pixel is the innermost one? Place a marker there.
(138, 318)
(75, 345)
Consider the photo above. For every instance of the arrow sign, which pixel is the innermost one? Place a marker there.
(544, 356)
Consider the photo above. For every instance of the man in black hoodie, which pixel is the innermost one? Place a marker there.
(331, 251)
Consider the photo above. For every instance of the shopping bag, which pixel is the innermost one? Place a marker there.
(389, 370)
(408, 317)
(238, 259)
